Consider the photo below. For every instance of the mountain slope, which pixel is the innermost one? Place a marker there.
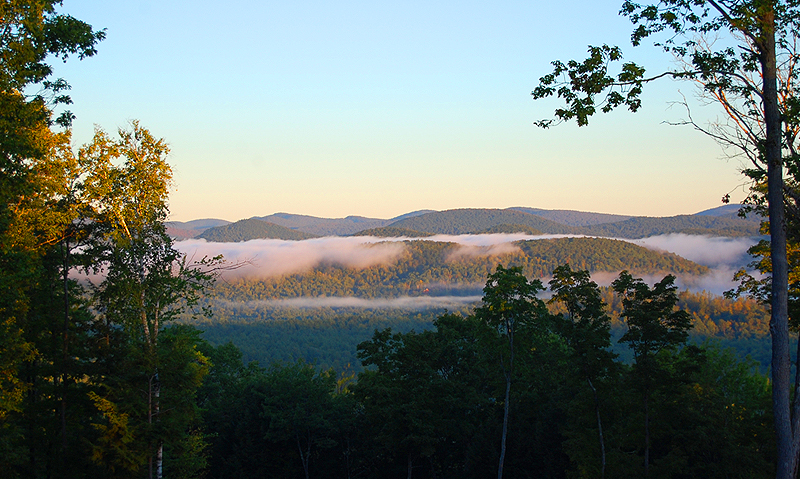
(324, 226)
(476, 220)
(249, 229)
(190, 229)
(573, 218)
(434, 268)
(641, 227)
(391, 232)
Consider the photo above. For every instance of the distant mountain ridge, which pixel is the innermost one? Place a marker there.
(721, 221)
(476, 220)
(333, 226)
(574, 218)
(191, 229)
(249, 229)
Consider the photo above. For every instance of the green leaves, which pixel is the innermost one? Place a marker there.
(653, 322)
(580, 83)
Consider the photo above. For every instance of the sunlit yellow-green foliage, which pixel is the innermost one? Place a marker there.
(132, 195)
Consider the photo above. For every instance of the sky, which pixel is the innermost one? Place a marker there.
(377, 109)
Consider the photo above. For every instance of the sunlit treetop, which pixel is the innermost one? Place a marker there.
(31, 32)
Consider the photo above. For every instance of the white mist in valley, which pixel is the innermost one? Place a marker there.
(411, 303)
(266, 258)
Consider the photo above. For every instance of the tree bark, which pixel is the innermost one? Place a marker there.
(646, 432)
(599, 428)
(779, 316)
(64, 346)
(505, 427)
(510, 330)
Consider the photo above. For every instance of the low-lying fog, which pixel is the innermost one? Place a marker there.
(267, 258)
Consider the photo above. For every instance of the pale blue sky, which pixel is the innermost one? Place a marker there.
(381, 108)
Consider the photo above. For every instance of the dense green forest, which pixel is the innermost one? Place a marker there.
(327, 335)
(447, 399)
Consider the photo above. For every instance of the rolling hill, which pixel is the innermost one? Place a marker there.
(641, 227)
(437, 268)
(249, 229)
(190, 229)
(332, 226)
(474, 220)
(465, 221)
(573, 218)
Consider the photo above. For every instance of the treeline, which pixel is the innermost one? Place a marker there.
(433, 268)
(327, 336)
(511, 387)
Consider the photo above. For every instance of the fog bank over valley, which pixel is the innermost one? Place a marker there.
(269, 258)
(410, 303)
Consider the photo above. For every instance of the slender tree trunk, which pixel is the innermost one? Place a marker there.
(510, 330)
(304, 456)
(779, 321)
(150, 422)
(599, 429)
(410, 464)
(157, 406)
(646, 433)
(506, 408)
(64, 346)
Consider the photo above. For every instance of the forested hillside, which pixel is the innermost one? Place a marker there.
(181, 230)
(465, 221)
(642, 227)
(392, 232)
(249, 229)
(436, 268)
(327, 336)
(573, 218)
(324, 226)
(717, 222)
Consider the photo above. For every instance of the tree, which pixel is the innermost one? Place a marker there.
(299, 407)
(427, 395)
(510, 306)
(751, 75)
(147, 281)
(31, 33)
(654, 326)
(586, 328)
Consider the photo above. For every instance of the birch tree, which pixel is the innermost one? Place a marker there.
(147, 281)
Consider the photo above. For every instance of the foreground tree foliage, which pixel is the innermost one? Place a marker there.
(434, 403)
(743, 56)
(92, 384)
